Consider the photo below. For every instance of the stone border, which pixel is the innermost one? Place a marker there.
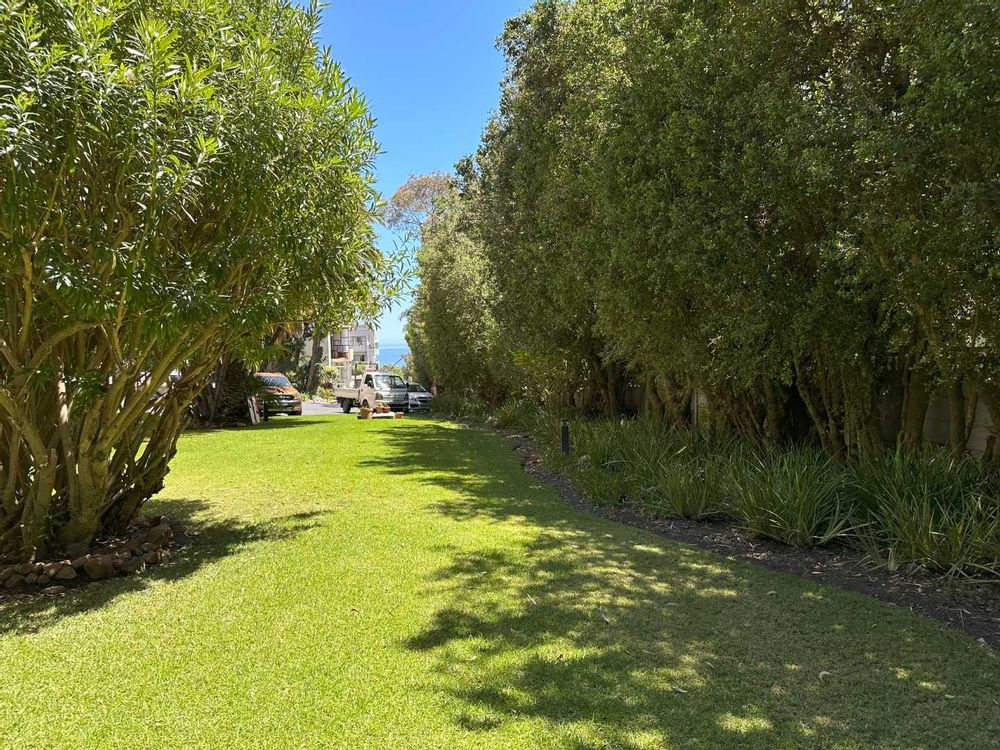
(146, 545)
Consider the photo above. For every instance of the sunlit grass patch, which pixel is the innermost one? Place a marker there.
(407, 586)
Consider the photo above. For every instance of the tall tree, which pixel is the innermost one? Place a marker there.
(531, 188)
(450, 325)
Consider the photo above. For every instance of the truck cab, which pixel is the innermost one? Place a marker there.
(381, 387)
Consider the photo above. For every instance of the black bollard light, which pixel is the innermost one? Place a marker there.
(564, 432)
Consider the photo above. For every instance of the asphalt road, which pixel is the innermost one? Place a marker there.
(319, 409)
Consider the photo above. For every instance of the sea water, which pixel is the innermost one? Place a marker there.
(392, 354)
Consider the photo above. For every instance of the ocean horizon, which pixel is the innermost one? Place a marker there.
(392, 354)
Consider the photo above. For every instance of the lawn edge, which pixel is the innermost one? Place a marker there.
(971, 609)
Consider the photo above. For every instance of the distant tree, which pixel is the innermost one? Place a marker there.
(394, 370)
(451, 331)
(417, 362)
(534, 199)
(413, 202)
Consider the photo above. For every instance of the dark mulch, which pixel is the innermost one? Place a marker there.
(972, 607)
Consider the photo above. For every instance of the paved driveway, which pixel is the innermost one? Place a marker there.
(319, 409)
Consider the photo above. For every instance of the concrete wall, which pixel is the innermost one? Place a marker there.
(935, 425)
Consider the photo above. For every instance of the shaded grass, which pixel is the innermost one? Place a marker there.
(406, 585)
(200, 540)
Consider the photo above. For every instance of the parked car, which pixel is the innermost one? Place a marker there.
(420, 399)
(278, 394)
(385, 388)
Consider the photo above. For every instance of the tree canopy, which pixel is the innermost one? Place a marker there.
(790, 208)
(176, 177)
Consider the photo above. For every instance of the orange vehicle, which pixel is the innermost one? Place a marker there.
(278, 394)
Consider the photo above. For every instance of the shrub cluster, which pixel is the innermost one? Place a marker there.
(929, 510)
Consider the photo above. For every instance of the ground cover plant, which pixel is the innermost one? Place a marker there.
(411, 587)
(926, 509)
(933, 510)
(795, 496)
(678, 473)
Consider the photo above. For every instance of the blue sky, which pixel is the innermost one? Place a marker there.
(431, 72)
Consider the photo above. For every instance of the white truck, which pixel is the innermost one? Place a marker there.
(382, 388)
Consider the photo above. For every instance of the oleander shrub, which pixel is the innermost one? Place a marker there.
(179, 178)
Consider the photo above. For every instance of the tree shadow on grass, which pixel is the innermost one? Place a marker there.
(614, 638)
(200, 541)
(281, 422)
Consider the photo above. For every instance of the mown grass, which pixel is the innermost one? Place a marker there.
(406, 585)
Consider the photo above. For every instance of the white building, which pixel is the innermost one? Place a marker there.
(358, 344)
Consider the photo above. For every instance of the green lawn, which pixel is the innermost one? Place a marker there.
(405, 585)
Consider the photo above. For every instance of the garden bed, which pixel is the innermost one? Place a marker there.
(145, 545)
(968, 606)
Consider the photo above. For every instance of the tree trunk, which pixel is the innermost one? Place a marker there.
(957, 435)
(820, 423)
(300, 345)
(676, 401)
(890, 407)
(775, 426)
(90, 463)
(613, 403)
(223, 400)
(916, 400)
(992, 456)
(653, 404)
(278, 337)
(312, 376)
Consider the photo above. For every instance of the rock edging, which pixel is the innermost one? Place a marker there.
(146, 546)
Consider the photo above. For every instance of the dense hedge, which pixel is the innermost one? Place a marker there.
(791, 208)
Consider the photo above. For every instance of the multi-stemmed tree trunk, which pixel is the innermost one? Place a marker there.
(86, 439)
(224, 399)
(312, 372)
